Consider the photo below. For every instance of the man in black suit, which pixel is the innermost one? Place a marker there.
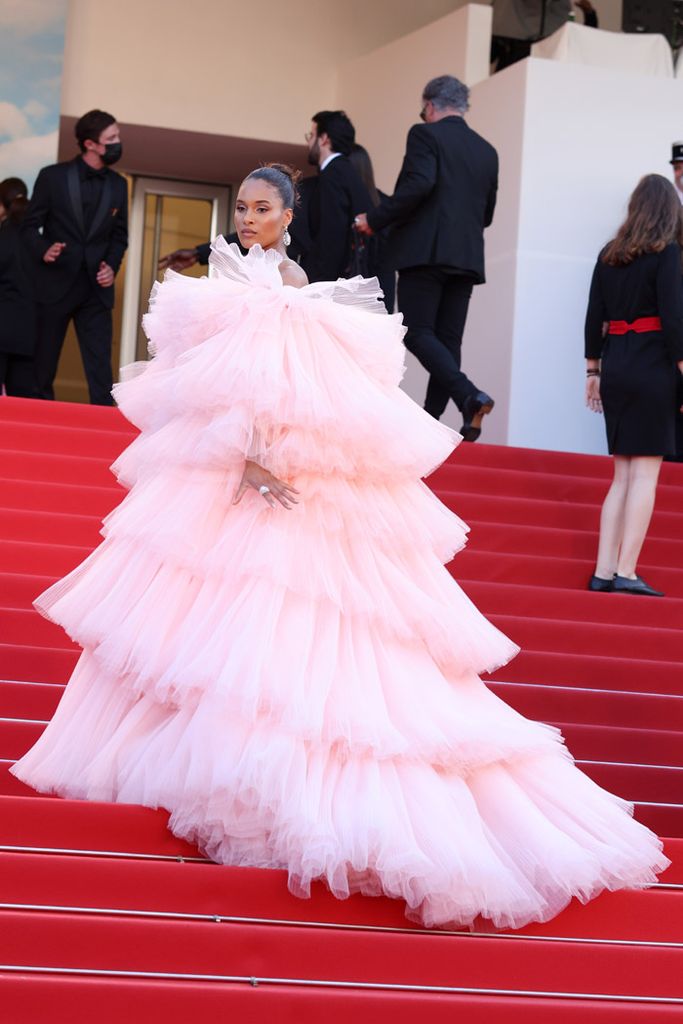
(444, 198)
(337, 196)
(77, 228)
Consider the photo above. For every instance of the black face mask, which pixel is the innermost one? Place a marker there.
(112, 153)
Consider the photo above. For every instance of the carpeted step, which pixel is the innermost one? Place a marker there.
(29, 700)
(597, 707)
(603, 639)
(542, 570)
(474, 506)
(55, 527)
(66, 414)
(57, 880)
(60, 497)
(33, 558)
(28, 628)
(64, 440)
(10, 785)
(110, 1000)
(539, 460)
(19, 590)
(542, 486)
(573, 605)
(194, 947)
(592, 672)
(644, 783)
(28, 663)
(122, 829)
(53, 468)
(564, 543)
(631, 746)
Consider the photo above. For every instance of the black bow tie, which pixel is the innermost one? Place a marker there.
(90, 172)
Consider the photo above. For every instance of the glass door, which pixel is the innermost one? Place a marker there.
(164, 216)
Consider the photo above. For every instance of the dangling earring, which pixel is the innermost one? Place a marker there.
(287, 238)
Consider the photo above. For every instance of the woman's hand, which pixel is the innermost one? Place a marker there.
(593, 400)
(257, 477)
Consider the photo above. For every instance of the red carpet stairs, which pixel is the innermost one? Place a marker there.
(104, 914)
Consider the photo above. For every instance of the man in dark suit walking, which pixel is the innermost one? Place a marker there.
(77, 229)
(335, 198)
(444, 198)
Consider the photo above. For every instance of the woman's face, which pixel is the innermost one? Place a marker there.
(3, 213)
(260, 217)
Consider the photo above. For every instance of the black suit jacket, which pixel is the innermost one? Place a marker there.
(338, 195)
(444, 198)
(56, 208)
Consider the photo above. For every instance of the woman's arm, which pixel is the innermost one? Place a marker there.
(594, 340)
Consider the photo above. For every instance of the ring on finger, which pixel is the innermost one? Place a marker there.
(263, 490)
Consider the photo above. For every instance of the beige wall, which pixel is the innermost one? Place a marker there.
(223, 66)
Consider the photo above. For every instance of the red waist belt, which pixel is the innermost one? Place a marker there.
(640, 326)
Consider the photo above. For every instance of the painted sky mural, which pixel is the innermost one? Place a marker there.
(31, 57)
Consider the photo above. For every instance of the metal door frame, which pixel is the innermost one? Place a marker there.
(218, 195)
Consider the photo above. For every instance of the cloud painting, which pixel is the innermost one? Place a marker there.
(31, 56)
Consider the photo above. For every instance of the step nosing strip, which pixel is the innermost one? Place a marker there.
(587, 689)
(371, 986)
(329, 925)
(26, 721)
(123, 854)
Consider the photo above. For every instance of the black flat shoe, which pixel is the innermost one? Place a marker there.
(475, 407)
(599, 585)
(623, 585)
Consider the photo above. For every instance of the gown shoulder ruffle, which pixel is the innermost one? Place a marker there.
(300, 688)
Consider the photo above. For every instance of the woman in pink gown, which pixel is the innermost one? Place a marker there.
(272, 648)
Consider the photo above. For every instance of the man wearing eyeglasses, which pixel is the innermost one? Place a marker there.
(444, 198)
(334, 197)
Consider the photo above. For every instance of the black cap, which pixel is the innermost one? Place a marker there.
(676, 153)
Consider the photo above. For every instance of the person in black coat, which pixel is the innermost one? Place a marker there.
(77, 227)
(634, 359)
(17, 298)
(375, 257)
(444, 198)
(335, 199)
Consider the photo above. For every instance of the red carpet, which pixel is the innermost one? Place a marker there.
(104, 915)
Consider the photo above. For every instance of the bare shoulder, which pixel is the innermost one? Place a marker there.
(292, 274)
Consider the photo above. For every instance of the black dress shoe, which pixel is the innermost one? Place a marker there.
(623, 585)
(598, 584)
(475, 407)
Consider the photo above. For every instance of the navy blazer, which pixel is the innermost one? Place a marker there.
(444, 198)
(56, 208)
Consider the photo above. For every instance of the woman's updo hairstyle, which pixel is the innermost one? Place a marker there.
(283, 178)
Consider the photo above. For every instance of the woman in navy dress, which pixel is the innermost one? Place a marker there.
(634, 358)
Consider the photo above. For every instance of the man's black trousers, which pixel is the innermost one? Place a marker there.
(93, 323)
(434, 304)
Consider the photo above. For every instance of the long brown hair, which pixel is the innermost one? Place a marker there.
(360, 158)
(654, 220)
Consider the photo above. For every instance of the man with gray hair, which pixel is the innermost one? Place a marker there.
(444, 198)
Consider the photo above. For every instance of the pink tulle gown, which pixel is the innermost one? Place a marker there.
(300, 688)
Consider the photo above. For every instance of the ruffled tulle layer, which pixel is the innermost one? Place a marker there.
(512, 841)
(184, 576)
(299, 688)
